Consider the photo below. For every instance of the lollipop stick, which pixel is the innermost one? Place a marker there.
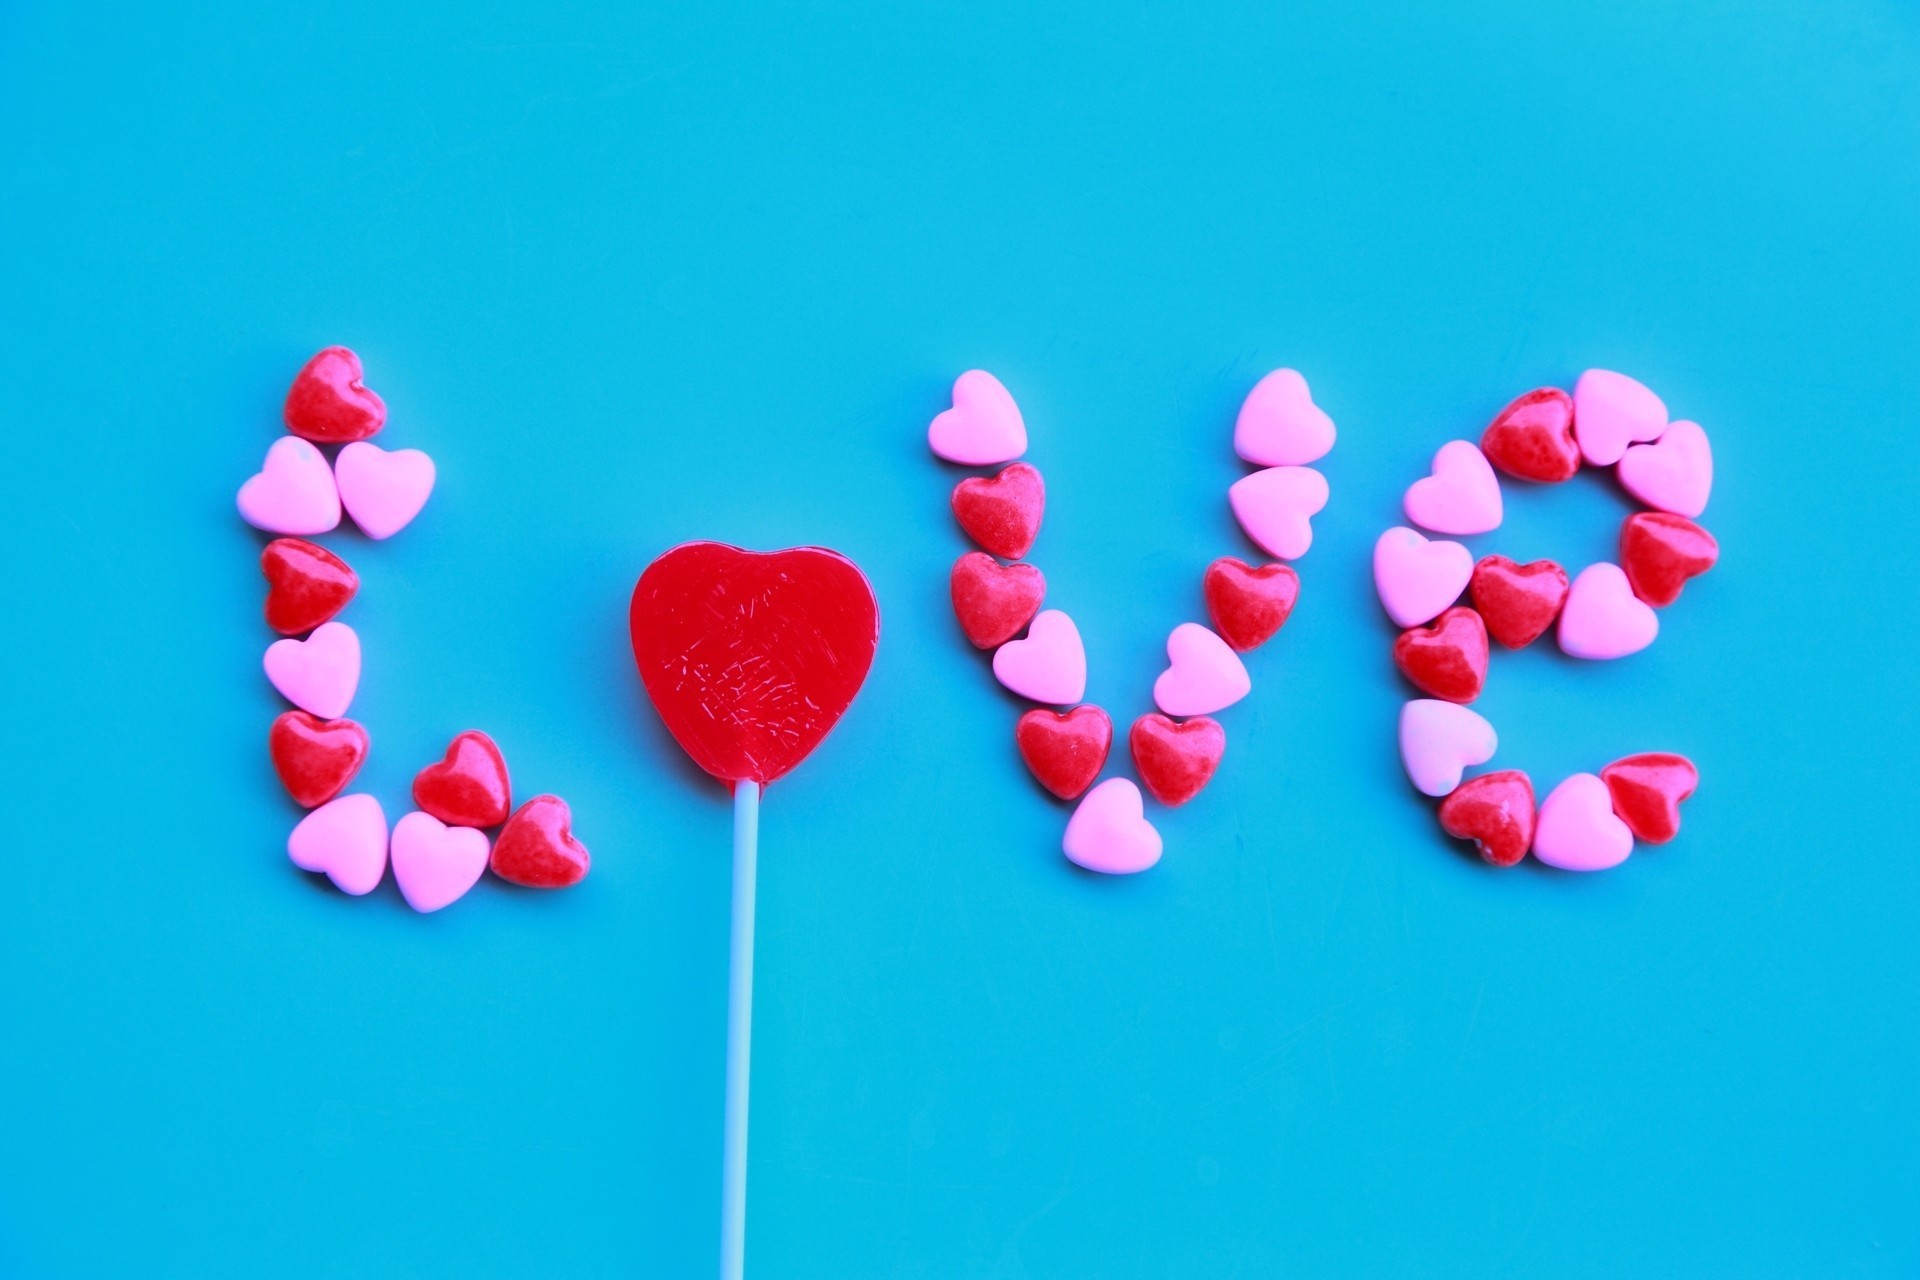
(733, 1188)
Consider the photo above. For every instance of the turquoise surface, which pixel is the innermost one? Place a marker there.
(637, 274)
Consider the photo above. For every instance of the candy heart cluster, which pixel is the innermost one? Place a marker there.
(439, 850)
(1588, 822)
(996, 597)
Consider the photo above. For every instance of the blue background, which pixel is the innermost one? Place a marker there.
(634, 277)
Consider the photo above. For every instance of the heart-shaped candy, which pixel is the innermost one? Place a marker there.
(1066, 750)
(1276, 508)
(1248, 605)
(469, 787)
(537, 849)
(1109, 831)
(1612, 411)
(1416, 578)
(1659, 552)
(1461, 496)
(1518, 602)
(318, 674)
(1532, 438)
(1674, 473)
(1439, 741)
(1646, 791)
(315, 758)
(347, 839)
(1176, 759)
(1447, 658)
(1495, 811)
(1577, 829)
(329, 403)
(1280, 425)
(1203, 674)
(306, 585)
(383, 491)
(1050, 665)
(293, 492)
(984, 428)
(435, 864)
(1603, 618)
(1002, 514)
(993, 601)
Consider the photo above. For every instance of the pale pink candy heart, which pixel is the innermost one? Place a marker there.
(1674, 473)
(1612, 411)
(1203, 674)
(1461, 496)
(293, 492)
(1603, 618)
(1439, 741)
(347, 839)
(433, 863)
(1276, 508)
(1109, 831)
(984, 428)
(1280, 425)
(382, 490)
(1417, 578)
(320, 673)
(1050, 665)
(1577, 829)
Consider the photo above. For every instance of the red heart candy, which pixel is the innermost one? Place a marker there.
(1002, 514)
(1495, 811)
(1518, 602)
(306, 584)
(1447, 658)
(1249, 605)
(1647, 790)
(1533, 437)
(993, 601)
(329, 404)
(1064, 750)
(1660, 551)
(750, 657)
(1176, 758)
(315, 758)
(469, 787)
(537, 849)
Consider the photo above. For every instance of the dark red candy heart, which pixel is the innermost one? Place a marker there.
(1518, 602)
(751, 657)
(1176, 759)
(1647, 790)
(315, 758)
(469, 787)
(1495, 811)
(1660, 552)
(1533, 437)
(306, 584)
(537, 849)
(1447, 658)
(1249, 605)
(328, 403)
(1065, 750)
(993, 601)
(1002, 514)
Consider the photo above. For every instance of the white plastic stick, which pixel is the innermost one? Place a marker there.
(733, 1180)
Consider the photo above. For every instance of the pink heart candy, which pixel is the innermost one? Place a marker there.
(1439, 741)
(347, 838)
(435, 864)
(1416, 578)
(1461, 496)
(1610, 412)
(1109, 831)
(984, 428)
(1577, 829)
(1674, 473)
(1603, 618)
(293, 492)
(1276, 507)
(1280, 425)
(1203, 674)
(1050, 665)
(320, 673)
(382, 490)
